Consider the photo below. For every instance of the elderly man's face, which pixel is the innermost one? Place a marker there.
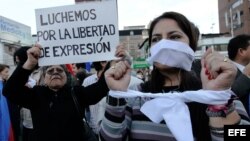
(55, 77)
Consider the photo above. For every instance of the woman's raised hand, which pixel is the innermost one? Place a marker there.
(218, 72)
(118, 76)
(33, 56)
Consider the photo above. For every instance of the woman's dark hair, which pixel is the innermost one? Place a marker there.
(98, 65)
(80, 65)
(186, 26)
(3, 66)
(157, 80)
(189, 80)
(22, 56)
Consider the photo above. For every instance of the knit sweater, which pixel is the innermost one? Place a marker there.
(124, 120)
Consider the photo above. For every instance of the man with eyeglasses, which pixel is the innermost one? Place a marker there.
(55, 116)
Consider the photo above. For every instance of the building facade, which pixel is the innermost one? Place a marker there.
(234, 17)
(132, 38)
(13, 35)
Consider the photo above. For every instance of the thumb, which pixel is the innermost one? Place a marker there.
(203, 59)
(128, 72)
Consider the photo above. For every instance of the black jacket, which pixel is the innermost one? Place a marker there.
(54, 114)
(241, 87)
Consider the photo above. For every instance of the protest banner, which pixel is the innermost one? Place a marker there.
(77, 33)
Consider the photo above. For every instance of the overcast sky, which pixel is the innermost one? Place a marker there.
(204, 13)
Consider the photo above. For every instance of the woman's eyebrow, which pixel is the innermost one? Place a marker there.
(156, 34)
(175, 32)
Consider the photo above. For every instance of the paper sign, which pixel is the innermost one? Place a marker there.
(77, 33)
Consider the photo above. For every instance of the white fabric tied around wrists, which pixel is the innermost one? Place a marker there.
(171, 107)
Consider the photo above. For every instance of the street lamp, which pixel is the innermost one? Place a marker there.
(212, 27)
(131, 33)
(231, 22)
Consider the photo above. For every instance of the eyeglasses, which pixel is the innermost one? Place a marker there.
(51, 71)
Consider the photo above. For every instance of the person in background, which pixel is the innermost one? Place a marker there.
(4, 72)
(119, 53)
(6, 130)
(139, 74)
(95, 111)
(172, 41)
(20, 57)
(53, 107)
(80, 72)
(147, 74)
(239, 52)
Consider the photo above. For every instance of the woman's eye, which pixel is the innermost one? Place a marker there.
(174, 37)
(154, 40)
(59, 70)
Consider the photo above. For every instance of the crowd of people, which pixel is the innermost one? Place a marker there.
(54, 105)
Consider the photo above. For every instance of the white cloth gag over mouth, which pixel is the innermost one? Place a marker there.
(172, 53)
(171, 107)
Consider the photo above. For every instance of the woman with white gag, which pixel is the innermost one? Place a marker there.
(179, 103)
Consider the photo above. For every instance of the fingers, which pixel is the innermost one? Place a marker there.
(118, 76)
(128, 64)
(218, 72)
(37, 45)
(121, 51)
(34, 51)
(212, 64)
(204, 64)
(120, 69)
(209, 51)
(216, 63)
